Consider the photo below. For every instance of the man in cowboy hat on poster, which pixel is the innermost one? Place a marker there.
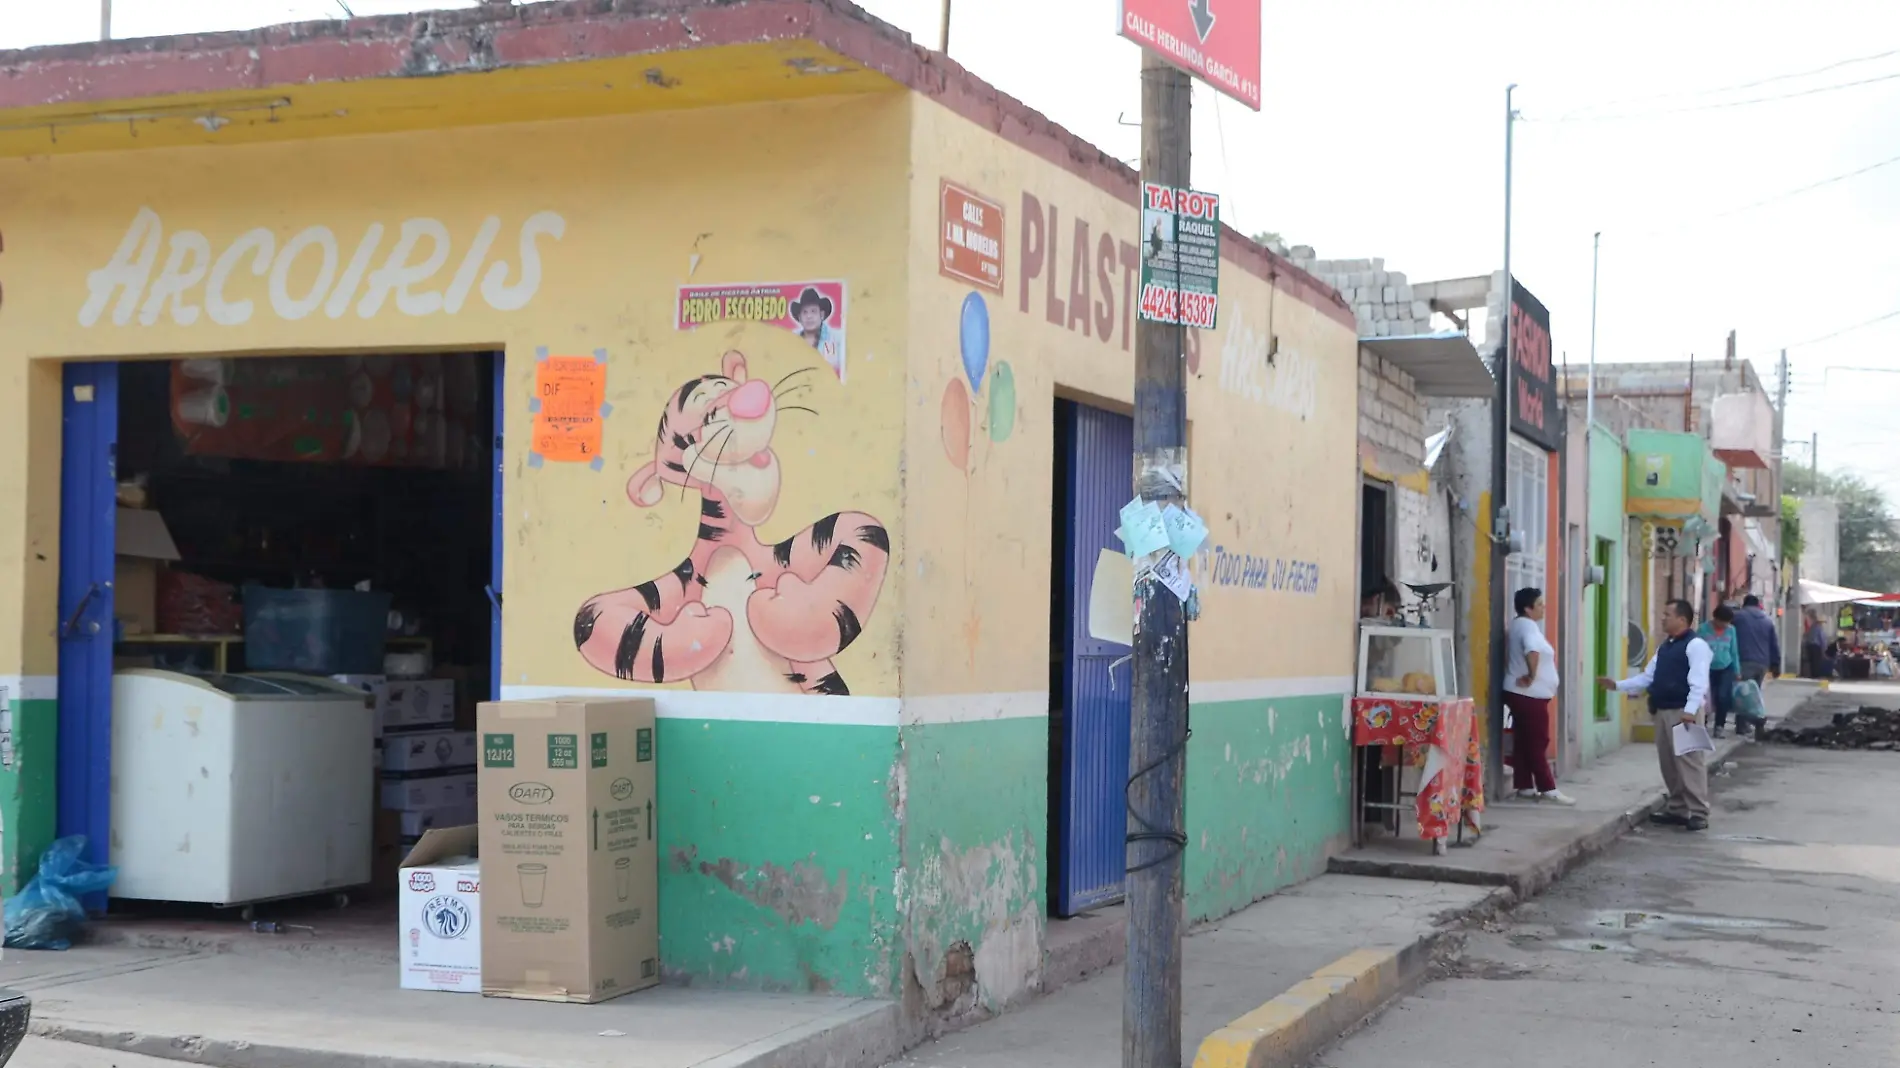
(811, 318)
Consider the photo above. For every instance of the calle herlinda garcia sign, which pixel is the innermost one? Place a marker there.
(1217, 41)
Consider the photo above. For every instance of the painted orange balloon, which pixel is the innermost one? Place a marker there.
(956, 424)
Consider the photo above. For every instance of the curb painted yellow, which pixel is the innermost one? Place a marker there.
(1292, 1027)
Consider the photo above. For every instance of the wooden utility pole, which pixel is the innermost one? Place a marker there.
(1782, 580)
(1157, 750)
(1781, 444)
(1781, 414)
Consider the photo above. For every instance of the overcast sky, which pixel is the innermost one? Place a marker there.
(1382, 135)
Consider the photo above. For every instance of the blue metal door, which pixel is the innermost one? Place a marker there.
(89, 444)
(1092, 818)
(498, 400)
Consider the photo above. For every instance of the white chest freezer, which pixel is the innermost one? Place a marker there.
(229, 789)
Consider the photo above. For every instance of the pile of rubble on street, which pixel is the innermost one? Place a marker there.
(1870, 727)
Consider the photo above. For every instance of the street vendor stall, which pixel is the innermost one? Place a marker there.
(1878, 637)
(1407, 705)
(1848, 655)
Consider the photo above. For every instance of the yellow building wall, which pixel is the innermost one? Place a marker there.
(1273, 471)
(595, 225)
(1273, 463)
(620, 211)
(811, 842)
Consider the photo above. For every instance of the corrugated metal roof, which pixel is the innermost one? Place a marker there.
(1443, 365)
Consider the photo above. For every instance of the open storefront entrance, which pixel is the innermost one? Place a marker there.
(279, 582)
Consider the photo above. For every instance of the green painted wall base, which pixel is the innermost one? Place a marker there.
(1268, 791)
(975, 886)
(1268, 782)
(778, 853)
(854, 860)
(29, 804)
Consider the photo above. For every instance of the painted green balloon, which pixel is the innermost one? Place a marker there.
(1002, 402)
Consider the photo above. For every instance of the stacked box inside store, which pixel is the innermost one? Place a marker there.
(304, 546)
(426, 767)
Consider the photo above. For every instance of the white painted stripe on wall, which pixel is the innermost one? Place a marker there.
(979, 707)
(747, 707)
(1257, 689)
(31, 687)
(890, 711)
(975, 707)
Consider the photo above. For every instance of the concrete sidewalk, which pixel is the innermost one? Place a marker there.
(338, 1010)
(1230, 968)
(1528, 845)
(1273, 983)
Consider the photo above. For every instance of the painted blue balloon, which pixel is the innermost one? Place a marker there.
(975, 337)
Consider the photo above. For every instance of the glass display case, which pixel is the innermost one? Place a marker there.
(1407, 705)
(1406, 662)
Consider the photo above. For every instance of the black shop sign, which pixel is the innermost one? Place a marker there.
(1533, 384)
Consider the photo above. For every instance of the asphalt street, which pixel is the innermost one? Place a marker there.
(1773, 938)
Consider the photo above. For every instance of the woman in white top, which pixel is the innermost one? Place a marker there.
(1529, 684)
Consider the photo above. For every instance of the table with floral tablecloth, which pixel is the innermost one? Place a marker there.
(1436, 735)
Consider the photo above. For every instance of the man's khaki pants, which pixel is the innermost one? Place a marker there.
(1686, 777)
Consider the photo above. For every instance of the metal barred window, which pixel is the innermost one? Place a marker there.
(1527, 491)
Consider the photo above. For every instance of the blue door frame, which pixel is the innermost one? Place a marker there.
(496, 479)
(1092, 818)
(89, 443)
(88, 530)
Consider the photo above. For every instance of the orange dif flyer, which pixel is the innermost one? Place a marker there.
(569, 401)
(812, 310)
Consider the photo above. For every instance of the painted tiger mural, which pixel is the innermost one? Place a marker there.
(802, 600)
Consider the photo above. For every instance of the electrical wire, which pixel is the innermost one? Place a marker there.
(1786, 194)
(1690, 94)
(1836, 65)
(1809, 188)
(1580, 117)
(1220, 128)
(1894, 314)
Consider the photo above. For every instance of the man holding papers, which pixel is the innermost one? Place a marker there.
(1677, 679)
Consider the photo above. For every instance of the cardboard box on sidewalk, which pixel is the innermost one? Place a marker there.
(440, 902)
(566, 796)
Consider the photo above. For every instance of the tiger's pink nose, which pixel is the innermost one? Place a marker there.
(751, 401)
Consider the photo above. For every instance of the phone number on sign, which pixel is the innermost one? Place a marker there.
(1158, 304)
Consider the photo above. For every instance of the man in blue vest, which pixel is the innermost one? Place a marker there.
(1677, 679)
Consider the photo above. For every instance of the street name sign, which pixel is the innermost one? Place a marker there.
(1217, 41)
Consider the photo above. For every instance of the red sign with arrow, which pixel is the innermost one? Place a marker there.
(1217, 41)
